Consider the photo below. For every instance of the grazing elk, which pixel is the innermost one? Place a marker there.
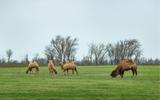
(51, 67)
(32, 65)
(125, 65)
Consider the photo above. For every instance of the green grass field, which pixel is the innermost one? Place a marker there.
(92, 83)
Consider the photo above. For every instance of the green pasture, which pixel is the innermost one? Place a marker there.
(92, 83)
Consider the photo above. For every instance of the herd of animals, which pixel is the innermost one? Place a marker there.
(66, 66)
(123, 65)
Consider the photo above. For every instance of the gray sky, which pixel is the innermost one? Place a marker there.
(27, 26)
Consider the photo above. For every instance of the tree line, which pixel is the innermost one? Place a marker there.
(63, 49)
(112, 53)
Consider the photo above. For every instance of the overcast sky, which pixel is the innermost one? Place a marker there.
(27, 26)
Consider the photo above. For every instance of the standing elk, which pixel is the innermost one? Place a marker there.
(69, 66)
(125, 65)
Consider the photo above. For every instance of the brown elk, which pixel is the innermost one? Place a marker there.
(125, 65)
(69, 66)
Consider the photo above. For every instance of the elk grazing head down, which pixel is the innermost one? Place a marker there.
(124, 65)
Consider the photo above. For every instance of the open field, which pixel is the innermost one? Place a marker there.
(92, 83)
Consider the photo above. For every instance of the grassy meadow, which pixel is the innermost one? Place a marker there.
(92, 83)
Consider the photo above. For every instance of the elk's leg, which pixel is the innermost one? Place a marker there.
(72, 71)
(67, 71)
(30, 70)
(76, 70)
(121, 72)
(50, 71)
(136, 71)
(37, 69)
(132, 69)
(64, 72)
(27, 71)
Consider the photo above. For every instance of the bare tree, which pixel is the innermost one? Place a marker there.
(9, 54)
(85, 60)
(70, 47)
(25, 60)
(98, 52)
(59, 46)
(124, 49)
(111, 52)
(90, 54)
(36, 57)
(50, 52)
(62, 48)
(2, 60)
